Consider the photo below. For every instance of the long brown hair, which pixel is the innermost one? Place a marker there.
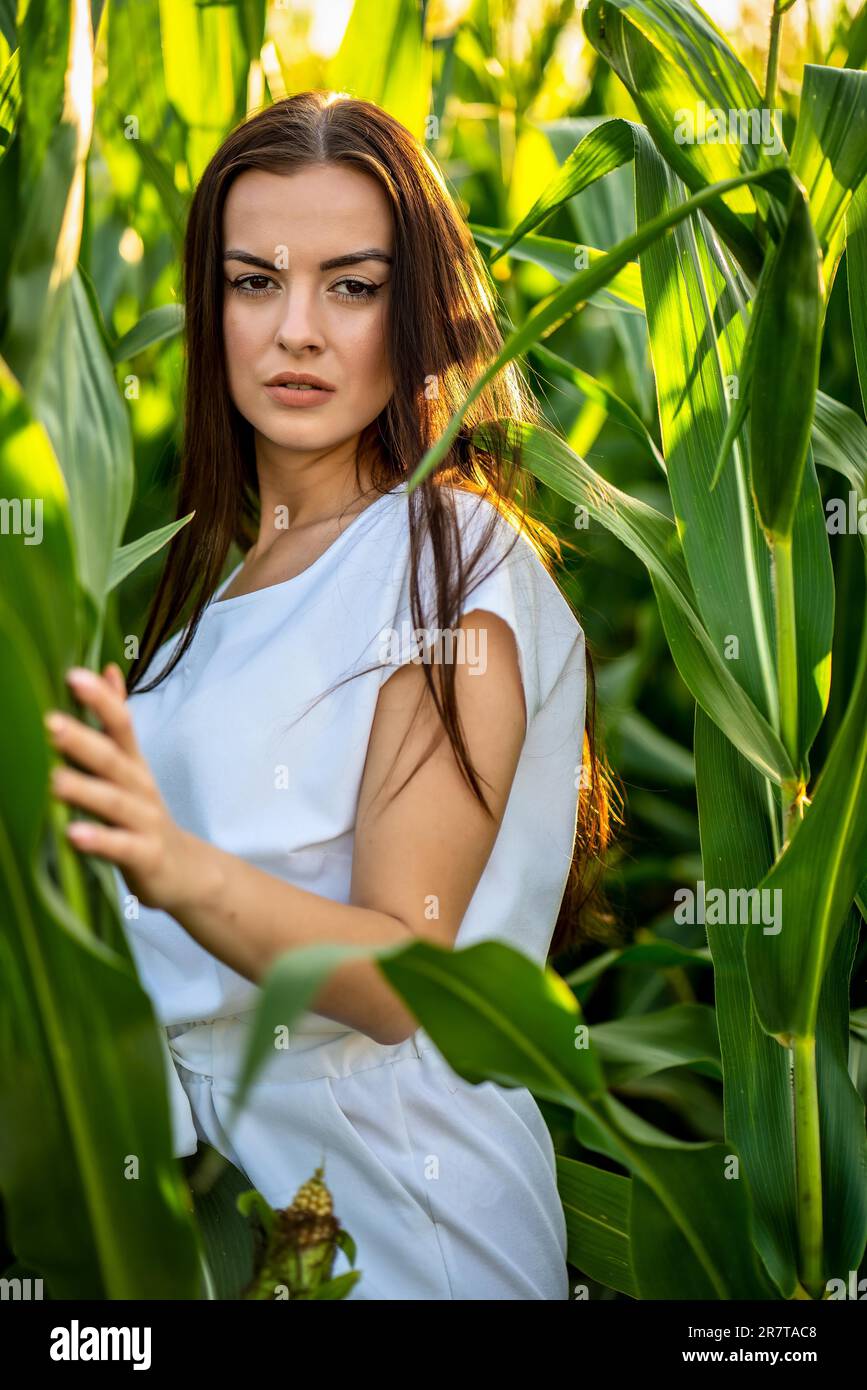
(442, 329)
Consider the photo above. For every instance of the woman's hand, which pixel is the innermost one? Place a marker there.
(140, 835)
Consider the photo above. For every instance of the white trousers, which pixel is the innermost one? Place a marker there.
(447, 1188)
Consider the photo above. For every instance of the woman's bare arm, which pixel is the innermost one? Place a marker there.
(424, 851)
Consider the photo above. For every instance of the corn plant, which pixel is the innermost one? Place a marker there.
(738, 245)
(722, 255)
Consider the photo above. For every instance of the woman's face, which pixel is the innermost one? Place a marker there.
(294, 310)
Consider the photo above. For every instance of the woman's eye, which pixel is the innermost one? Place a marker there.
(354, 289)
(357, 289)
(245, 284)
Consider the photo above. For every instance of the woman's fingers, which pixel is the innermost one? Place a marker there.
(108, 705)
(120, 846)
(96, 751)
(114, 676)
(105, 799)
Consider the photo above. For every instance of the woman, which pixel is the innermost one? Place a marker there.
(293, 772)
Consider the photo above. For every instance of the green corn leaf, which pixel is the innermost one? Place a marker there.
(79, 1039)
(683, 1035)
(679, 71)
(205, 63)
(8, 25)
(839, 441)
(604, 148)
(696, 306)
(784, 383)
(601, 394)
(130, 556)
(558, 258)
(36, 556)
(55, 135)
(87, 421)
(596, 1206)
(647, 954)
(736, 853)
(603, 215)
(856, 266)
(817, 877)
(136, 105)
(385, 58)
(654, 539)
(578, 290)
(740, 408)
(153, 327)
(829, 153)
(10, 99)
(495, 1015)
(691, 1227)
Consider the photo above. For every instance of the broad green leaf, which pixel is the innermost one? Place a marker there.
(8, 25)
(683, 1035)
(153, 327)
(602, 395)
(841, 1115)
(226, 1235)
(384, 57)
(603, 215)
(856, 37)
(685, 1259)
(659, 953)
(82, 1080)
(783, 388)
(576, 291)
(856, 267)
(680, 72)
(205, 65)
(739, 407)
(36, 556)
(134, 105)
(604, 148)
(829, 153)
(817, 877)
(47, 34)
(696, 308)
(496, 1016)
(87, 421)
(10, 98)
(559, 259)
(691, 1227)
(758, 1119)
(649, 753)
(130, 556)
(54, 148)
(736, 851)
(654, 539)
(596, 1206)
(288, 988)
(839, 441)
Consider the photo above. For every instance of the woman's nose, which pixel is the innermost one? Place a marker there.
(300, 323)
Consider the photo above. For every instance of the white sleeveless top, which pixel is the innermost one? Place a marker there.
(233, 768)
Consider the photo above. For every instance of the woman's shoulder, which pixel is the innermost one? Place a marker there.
(506, 574)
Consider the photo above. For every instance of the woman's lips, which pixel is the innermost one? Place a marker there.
(299, 397)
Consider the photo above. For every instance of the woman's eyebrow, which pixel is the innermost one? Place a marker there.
(351, 258)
